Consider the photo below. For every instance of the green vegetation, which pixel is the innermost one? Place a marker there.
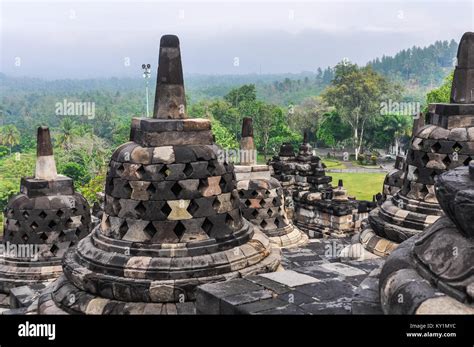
(338, 107)
(361, 185)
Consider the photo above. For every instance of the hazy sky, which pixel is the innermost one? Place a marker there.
(82, 39)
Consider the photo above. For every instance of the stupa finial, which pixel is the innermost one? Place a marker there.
(463, 80)
(170, 101)
(45, 164)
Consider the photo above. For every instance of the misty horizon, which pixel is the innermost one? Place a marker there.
(83, 40)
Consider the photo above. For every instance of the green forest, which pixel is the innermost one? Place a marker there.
(339, 107)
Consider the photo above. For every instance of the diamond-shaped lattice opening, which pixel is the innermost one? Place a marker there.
(17, 223)
(263, 224)
(127, 188)
(277, 222)
(54, 249)
(263, 203)
(120, 169)
(467, 161)
(457, 147)
(270, 212)
(69, 222)
(425, 159)
(43, 215)
(141, 171)
(424, 190)
(176, 189)
(216, 204)
(207, 226)
(26, 215)
(60, 213)
(52, 224)
(211, 167)
(228, 219)
(166, 209)
(150, 229)
(25, 237)
(447, 161)
(275, 201)
(254, 213)
(222, 183)
(179, 229)
(123, 228)
(151, 189)
(436, 147)
(192, 207)
(433, 174)
(34, 226)
(188, 170)
(248, 203)
(241, 193)
(77, 232)
(141, 209)
(165, 171)
(61, 234)
(254, 193)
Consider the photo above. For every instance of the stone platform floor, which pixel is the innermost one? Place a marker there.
(314, 281)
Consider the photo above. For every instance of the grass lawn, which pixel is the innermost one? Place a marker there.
(361, 185)
(333, 164)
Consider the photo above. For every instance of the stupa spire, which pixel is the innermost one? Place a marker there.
(463, 80)
(45, 164)
(170, 101)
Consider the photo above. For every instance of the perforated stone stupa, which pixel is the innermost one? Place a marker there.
(261, 196)
(41, 223)
(433, 271)
(171, 219)
(319, 208)
(444, 143)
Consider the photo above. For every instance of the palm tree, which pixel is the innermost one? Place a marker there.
(65, 133)
(10, 136)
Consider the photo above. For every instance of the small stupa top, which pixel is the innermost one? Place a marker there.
(45, 164)
(247, 146)
(169, 115)
(463, 81)
(247, 127)
(46, 180)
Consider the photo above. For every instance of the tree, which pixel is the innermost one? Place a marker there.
(65, 135)
(356, 94)
(237, 95)
(10, 136)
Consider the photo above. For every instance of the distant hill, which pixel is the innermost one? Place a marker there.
(417, 69)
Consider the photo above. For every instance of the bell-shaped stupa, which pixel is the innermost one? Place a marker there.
(171, 221)
(261, 196)
(444, 143)
(41, 223)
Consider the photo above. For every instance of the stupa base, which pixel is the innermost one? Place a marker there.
(22, 273)
(295, 238)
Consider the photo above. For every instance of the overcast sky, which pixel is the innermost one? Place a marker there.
(83, 39)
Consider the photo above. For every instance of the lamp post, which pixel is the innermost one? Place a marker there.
(146, 76)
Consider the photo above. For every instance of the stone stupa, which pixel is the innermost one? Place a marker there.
(172, 218)
(41, 223)
(318, 208)
(444, 143)
(261, 196)
(433, 271)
